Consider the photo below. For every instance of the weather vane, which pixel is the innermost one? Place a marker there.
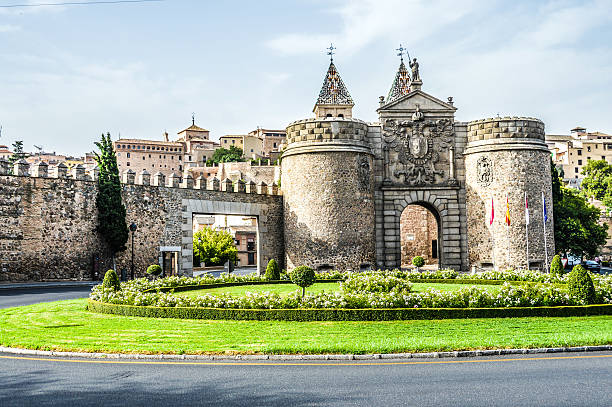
(401, 52)
(331, 52)
(193, 118)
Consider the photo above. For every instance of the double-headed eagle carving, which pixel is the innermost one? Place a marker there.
(418, 144)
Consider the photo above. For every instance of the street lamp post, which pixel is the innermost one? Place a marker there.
(133, 230)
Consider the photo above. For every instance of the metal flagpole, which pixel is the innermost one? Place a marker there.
(492, 216)
(544, 219)
(527, 227)
(508, 228)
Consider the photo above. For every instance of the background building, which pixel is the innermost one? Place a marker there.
(5, 152)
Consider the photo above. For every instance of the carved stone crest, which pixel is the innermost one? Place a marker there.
(418, 144)
(484, 171)
(363, 169)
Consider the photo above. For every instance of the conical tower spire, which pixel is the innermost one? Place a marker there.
(334, 99)
(401, 84)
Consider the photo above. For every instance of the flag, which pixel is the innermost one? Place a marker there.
(492, 213)
(526, 210)
(544, 208)
(507, 212)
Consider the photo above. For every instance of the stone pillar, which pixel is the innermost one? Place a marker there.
(21, 168)
(262, 188)
(4, 166)
(240, 186)
(60, 171)
(273, 189)
(144, 178)
(213, 184)
(159, 179)
(78, 172)
(251, 187)
(200, 183)
(129, 176)
(40, 170)
(506, 158)
(327, 183)
(173, 180)
(187, 181)
(94, 174)
(227, 185)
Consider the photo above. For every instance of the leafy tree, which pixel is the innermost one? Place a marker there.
(303, 276)
(597, 182)
(272, 270)
(18, 153)
(154, 270)
(224, 155)
(418, 262)
(111, 211)
(214, 247)
(577, 228)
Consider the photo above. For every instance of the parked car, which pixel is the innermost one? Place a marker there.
(592, 266)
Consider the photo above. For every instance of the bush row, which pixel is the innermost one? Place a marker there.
(347, 314)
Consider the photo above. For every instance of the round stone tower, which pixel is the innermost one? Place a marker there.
(508, 163)
(327, 185)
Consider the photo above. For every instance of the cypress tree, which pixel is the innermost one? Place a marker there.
(111, 211)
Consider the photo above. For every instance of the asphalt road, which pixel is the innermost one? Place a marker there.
(567, 380)
(32, 295)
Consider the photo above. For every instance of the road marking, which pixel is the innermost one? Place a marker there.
(328, 363)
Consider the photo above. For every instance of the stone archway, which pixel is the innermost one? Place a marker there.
(419, 235)
(443, 203)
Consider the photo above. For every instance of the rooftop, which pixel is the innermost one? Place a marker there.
(333, 91)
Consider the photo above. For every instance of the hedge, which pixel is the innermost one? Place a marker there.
(368, 314)
(237, 283)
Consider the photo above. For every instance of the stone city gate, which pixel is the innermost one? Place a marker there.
(417, 161)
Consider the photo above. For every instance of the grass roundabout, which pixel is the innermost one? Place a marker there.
(73, 326)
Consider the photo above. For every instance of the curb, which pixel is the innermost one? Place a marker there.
(373, 356)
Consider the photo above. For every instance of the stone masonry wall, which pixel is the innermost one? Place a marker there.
(47, 225)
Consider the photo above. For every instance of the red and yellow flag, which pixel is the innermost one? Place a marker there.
(507, 212)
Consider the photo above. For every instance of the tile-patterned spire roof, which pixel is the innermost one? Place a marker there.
(401, 84)
(333, 91)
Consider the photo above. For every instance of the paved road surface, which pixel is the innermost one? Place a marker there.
(567, 380)
(32, 295)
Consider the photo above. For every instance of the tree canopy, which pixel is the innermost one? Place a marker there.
(597, 181)
(214, 247)
(18, 152)
(111, 211)
(577, 228)
(224, 155)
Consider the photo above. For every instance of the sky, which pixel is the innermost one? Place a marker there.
(69, 73)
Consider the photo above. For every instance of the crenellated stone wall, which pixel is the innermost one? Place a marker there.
(47, 224)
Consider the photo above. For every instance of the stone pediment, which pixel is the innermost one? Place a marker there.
(426, 102)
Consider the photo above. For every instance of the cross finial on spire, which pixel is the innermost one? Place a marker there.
(193, 118)
(401, 52)
(331, 49)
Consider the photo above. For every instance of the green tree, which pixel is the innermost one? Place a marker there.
(111, 211)
(580, 285)
(224, 155)
(597, 182)
(303, 276)
(18, 153)
(577, 228)
(111, 280)
(272, 270)
(556, 266)
(214, 247)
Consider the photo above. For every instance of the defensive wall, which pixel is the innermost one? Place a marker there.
(48, 220)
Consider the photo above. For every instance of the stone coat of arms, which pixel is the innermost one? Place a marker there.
(418, 144)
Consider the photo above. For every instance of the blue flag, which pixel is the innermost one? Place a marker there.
(545, 212)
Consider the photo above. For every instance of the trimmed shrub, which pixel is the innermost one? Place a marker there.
(580, 285)
(154, 270)
(272, 270)
(111, 280)
(418, 261)
(303, 276)
(556, 266)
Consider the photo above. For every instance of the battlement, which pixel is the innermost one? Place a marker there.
(505, 128)
(327, 129)
(42, 170)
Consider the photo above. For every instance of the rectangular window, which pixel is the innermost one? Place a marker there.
(579, 152)
(237, 242)
(233, 141)
(128, 164)
(579, 162)
(576, 170)
(274, 144)
(128, 155)
(225, 141)
(589, 149)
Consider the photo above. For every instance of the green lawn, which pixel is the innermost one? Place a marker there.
(284, 289)
(66, 325)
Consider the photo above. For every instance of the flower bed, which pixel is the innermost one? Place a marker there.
(375, 290)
